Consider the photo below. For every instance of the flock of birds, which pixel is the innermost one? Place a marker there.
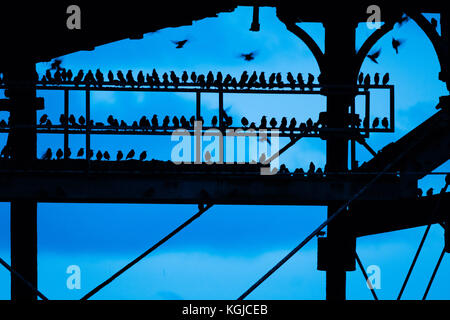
(153, 80)
(48, 155)
(146, 124)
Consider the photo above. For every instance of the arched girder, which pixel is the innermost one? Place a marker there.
(370, 42)
(304, 36)
(308, 40)
(433, 36)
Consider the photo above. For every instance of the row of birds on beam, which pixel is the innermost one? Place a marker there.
(153, 123)
(99, 155)
(153, 80)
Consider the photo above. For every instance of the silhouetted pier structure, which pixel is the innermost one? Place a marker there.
(377, 187)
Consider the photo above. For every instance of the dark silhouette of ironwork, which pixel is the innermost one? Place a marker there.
(387, 181)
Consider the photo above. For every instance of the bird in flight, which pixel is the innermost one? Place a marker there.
(248, 56)
(396, 43)
(179, 44)
(374, 56)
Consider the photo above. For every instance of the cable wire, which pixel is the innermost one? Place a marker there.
(419, 249)
(434, 274)
(365, 276)
(19, 276)
(143, 255)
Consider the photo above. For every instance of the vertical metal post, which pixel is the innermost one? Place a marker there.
(339, 59)
(221, 127)
(197, 132)
(22, 93)
(88, 124)
(66, 125)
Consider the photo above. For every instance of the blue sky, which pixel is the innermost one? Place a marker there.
(224, 252)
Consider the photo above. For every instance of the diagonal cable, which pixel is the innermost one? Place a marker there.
(419, 249)
(18, 275)
(434, 274)
(143, 255)
(365, 276)
(326, 222)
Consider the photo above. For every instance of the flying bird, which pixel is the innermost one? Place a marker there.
(179, 44)
(248, 56)
(396, 43)
(374, 56)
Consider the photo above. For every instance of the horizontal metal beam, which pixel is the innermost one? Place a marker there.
(136, 182)
(374, 217)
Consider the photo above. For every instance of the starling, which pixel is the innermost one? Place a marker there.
(149, 80)
(99, 77)
(91, 154)
(386, 79)
(434, 23)
(302, 127)
(192, 121)
(209, 79)
(292, 124)
(243, 80)
(47, 155)
(130, 79)
(175, 80)
(312, 168)
(374, 56)
(69, 75)
(110, 120)
(262, 80)
(166, 122)
(155, 121)
(396, 43)
(176, 122)
(291, 80)
(300, 81)
(82, 120)
(142, 156)
(385, 122)
(310, 81)
(106, 155)
(111, 77)
(43, 119)
(309, 123)
(419, 193)
(272, 80)
(283, 124)
(142, 122)
(48, 123)
(367, 81)
(430, 192)
(227, 80)
(123, 124)
(201, 81)
(63, 75)
(376, 79)
(214, 121)
(273, 122)
(263, 124)
(72, 120)
(184, 77)
(253, 79)
(234, 83)
(119, 155)
(78, 78)
(80, 153)
(130, 154)
(375, 122)
(68, 153)
(134, 125)
(360, 78)
(121, 78)
(193, 77)
(244, 121)
(179, 44)
(140, 79)
(248, 56)
(59, 154)
(99, 155)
